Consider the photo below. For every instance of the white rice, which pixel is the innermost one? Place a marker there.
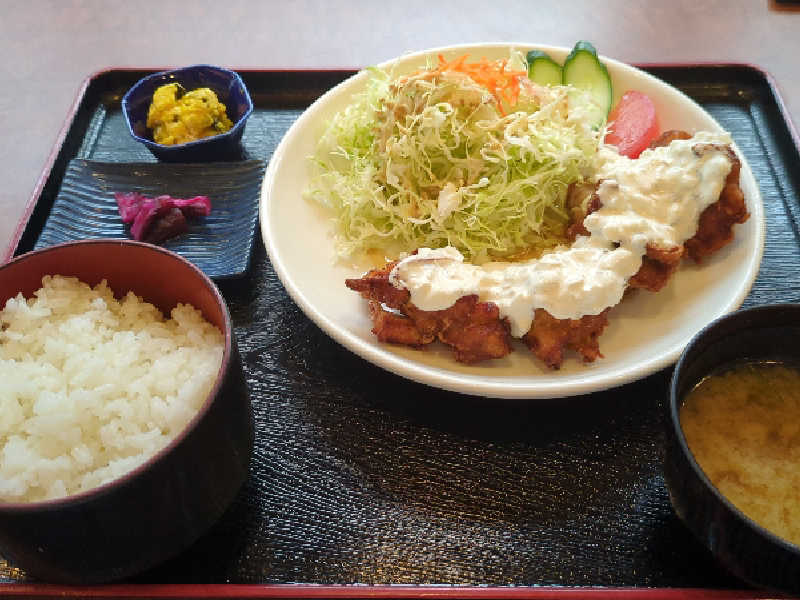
(91, 387)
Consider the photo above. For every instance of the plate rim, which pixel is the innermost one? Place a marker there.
(480, 385)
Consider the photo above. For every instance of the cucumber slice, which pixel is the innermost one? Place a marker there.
(542, 69)
(583, 70)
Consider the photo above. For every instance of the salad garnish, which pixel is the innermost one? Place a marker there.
(472, 155)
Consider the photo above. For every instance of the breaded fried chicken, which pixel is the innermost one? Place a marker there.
(715, 228)
(473, 329)
(548, 337)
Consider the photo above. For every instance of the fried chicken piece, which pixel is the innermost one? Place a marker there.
(473, 329)
(715, 228)
(548, 337)
(375, 286)
(658, 265)
(582, 200)
(395, 328)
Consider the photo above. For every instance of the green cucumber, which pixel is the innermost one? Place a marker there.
(583, 70)
(542, 69)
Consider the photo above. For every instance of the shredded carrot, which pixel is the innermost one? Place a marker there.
(502, 83)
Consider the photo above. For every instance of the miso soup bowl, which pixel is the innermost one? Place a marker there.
(741, 545)
(157, 510)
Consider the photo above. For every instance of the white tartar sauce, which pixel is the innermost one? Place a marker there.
(655, 199)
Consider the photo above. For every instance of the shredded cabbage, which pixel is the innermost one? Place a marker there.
(434, 159)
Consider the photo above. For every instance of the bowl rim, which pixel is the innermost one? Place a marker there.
(675, 423)
(225, 366)
(238, 124)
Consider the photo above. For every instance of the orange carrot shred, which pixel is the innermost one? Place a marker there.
(502, 83)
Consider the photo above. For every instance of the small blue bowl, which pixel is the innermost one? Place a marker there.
(230, 90)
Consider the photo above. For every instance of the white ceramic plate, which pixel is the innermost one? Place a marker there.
(646, 332)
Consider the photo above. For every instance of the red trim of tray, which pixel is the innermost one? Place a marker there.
(297, 591)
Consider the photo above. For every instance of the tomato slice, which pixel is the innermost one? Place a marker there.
(632, 124)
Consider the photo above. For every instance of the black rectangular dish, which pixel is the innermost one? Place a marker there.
(220, 243)
(362, 477)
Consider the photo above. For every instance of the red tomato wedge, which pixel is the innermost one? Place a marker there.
(632, 124)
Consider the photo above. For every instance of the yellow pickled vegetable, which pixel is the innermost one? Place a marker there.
(177, 116)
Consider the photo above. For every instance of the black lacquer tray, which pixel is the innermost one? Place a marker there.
(390, 488)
